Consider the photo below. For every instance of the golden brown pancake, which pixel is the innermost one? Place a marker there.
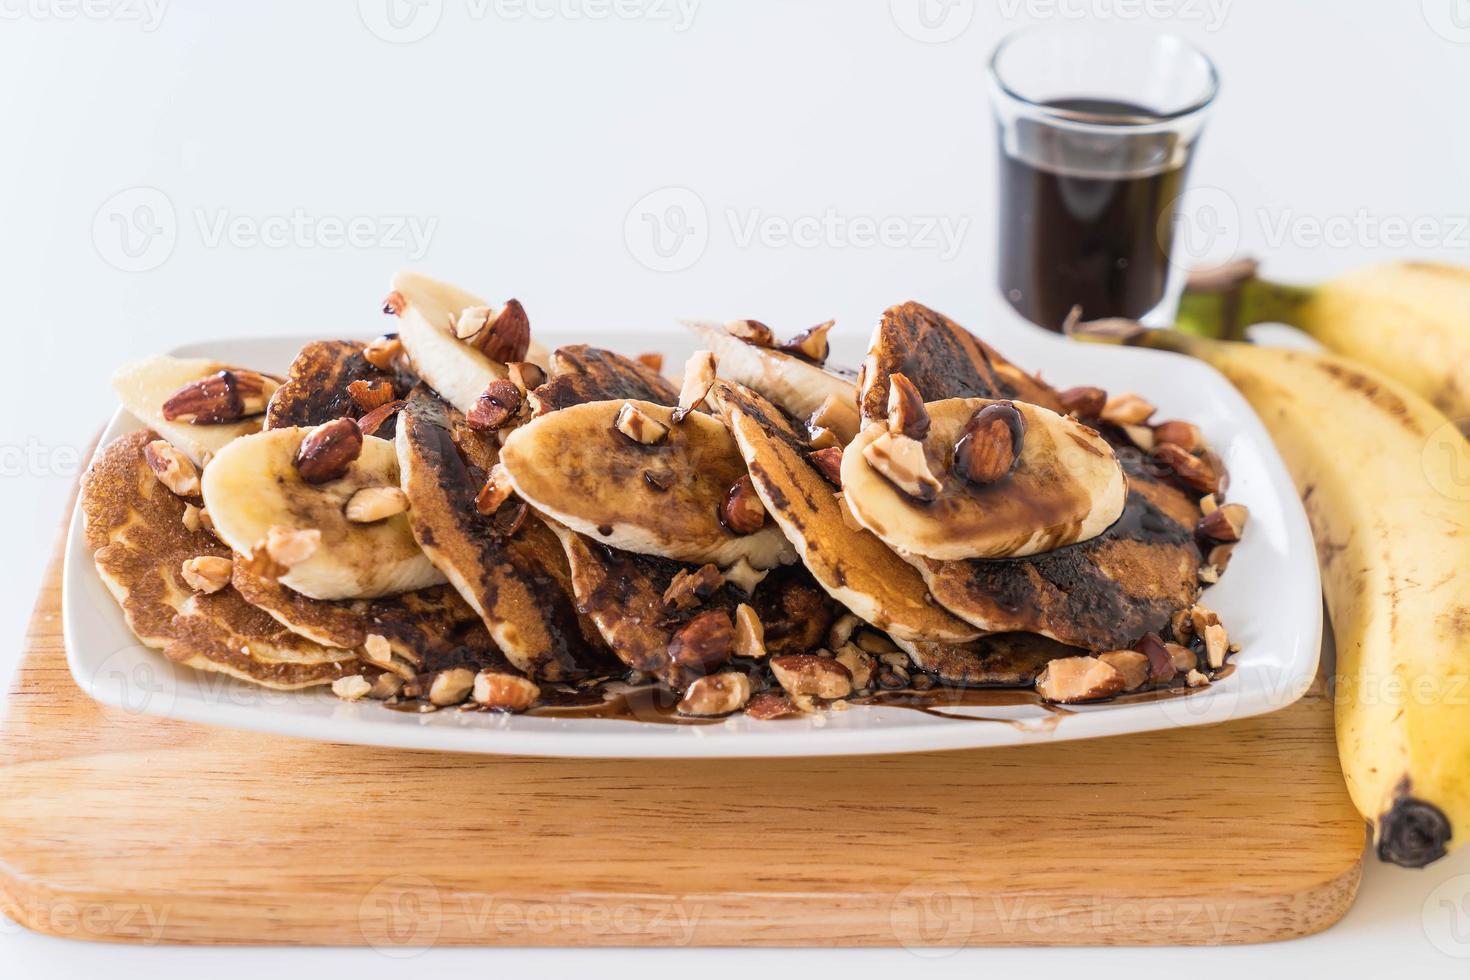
(998, 660)
(135, 527)
(854, 567)
(943, 360)
(590, 374)
(316, 392)
(516, 578)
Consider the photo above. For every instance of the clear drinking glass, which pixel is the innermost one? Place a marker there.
(1096, 125)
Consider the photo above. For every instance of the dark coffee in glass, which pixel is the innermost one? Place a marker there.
(1089, 178)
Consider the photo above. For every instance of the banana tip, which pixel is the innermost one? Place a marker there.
(1413, 833)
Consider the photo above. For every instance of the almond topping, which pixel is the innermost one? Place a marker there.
(173, 469)
(1161, 667)
(228, 396)
(385, 686)
(1218, 558)
(384, 352)
(660, 479)
(499, 691)
(1126, 409)
(750, 634)
(451, 686)
(288, 546)
(1225, 523)
(715, 695)
(742, 510)
(907, 415)
(1208, 504)
(496, 406)
(807, 674)
(1195, 679)
(1201, 617)
(639, 426)
(1189, 468)
(495, 492)
(353, 687)
(1217, 645)
(692, 586)
(1182, 657)
(841, 630)
(394, 304)
(1070, 680)
(991, 444)
(502, 335)
(1131, 664)
(825, 422)
(859, 664)
(370, 423)
(372, 504)
(371, 394)
(699, 378)
(207, 574)
(704, 644)
(902, 462)
(191, 518)
(1084, 402)
(745, 576)
(652, 360)
(752, 332)
(811, 344)
(525, 375)
(1185, 435)
(1141, 436)
(829, 463)
(328, 451)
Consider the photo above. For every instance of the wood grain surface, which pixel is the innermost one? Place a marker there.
(119, 827)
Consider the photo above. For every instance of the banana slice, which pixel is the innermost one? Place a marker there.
(453, 368)
(253, 486)
(144, 386)
(1066, 486)
(663, 498)
(799, 387)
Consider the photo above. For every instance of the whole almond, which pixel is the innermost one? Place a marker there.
(704, 644)
(752, 332)
(1225, 523)
(328, 451)
(505, 335)
(742, 510)
(1085, 402)
(829, 463)
(1188, 467)
(496, 406)
(228, 396)
(1185, 435)
(990, 445)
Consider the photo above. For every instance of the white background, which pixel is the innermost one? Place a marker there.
(527, 136)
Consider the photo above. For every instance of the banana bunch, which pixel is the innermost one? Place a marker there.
(1386, 483)
(1410, 320)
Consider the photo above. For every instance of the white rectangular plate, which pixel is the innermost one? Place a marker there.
(1270, 601)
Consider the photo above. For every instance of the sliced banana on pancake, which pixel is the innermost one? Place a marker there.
(661, 497)
(515, 577)
(850, 562)
(1012, 479)
(137, 531)
(254, 486)
(428, 312)
(821, 396)
(144, 387)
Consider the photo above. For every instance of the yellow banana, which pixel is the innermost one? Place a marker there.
(1409, 320)
(1386, 483)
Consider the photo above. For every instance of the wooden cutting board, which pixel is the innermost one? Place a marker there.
(119, 827)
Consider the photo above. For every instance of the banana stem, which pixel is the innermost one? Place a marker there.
(1222, 302)
(1130, 333)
